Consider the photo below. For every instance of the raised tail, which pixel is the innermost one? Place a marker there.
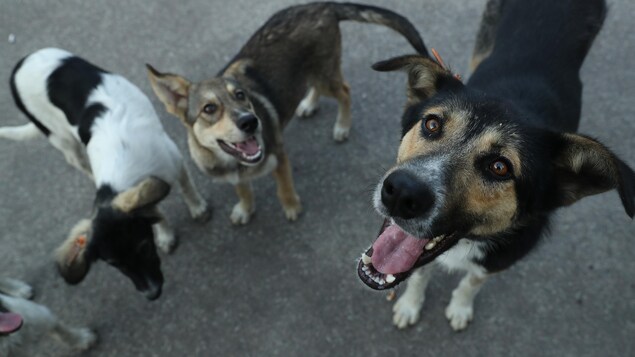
(378, 15)
(21, 133)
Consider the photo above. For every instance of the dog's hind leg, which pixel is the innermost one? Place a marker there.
(73, 153)
(486, 32)
(21, 133)
(77, 338)
(407, 308)
(193, 199)
(338, 89)
(15, 288)
(461, 308)
(286, 191)
(309, 105)
(242, 211)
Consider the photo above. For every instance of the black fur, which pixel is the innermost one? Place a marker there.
(20, 104)
(69, 87)
(529, 92)
(126, 241)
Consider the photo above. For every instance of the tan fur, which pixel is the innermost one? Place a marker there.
(413, 144)
(67, 253)
(286, 192)
(172, 90)
(493, 202)
(146, 193)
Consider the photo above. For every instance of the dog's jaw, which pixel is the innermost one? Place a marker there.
(430, 249)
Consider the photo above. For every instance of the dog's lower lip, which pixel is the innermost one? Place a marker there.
(232, 150)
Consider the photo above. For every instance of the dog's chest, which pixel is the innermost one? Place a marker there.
(463, 256)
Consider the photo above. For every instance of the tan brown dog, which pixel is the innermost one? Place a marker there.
(235, 120)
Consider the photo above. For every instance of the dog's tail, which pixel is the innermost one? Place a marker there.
(378, 15)
(20, 133)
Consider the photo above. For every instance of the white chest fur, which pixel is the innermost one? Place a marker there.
(462, 255)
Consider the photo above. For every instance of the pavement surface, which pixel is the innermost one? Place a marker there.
(274, 288)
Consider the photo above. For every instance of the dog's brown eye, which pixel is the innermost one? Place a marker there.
(210, 108)
(432, 123)
(499, 168)
(240, 95)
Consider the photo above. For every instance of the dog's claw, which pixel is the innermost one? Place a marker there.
(201, 214)
(18, 289)
(459, 315)
(406, 311)
(340, 134)
(86, 338)
(240, 215)
(292, 213)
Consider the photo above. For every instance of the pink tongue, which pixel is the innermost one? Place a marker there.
(9, 322)
(396, 251)
(249, 147)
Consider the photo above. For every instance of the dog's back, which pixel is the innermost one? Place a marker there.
(536, 58)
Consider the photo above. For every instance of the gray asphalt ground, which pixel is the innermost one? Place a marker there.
(274, 288)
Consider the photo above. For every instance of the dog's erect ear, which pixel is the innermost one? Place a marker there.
(426, 77)
(71, 259)
(585, 167)
(145, 194)
(172, 90)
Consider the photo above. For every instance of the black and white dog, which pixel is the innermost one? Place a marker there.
(106, 127)
(23, 322)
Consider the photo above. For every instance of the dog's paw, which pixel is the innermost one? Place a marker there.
(85, 338)
(459, 315)
(406, 311)
(166, 240)
(340, 133)
(18, 289)
(292, 211)
(240, 215)
(306, 109)
(201, 213)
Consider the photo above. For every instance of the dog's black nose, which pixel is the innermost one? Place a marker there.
(248, 123)
(405, 196)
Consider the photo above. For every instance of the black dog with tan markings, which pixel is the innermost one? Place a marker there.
(482, 165)
(235, 120)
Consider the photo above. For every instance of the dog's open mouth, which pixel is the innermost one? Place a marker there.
(395, 254)
(248, 151)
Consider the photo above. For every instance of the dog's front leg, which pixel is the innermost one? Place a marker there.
(164, 236)
(408, 307)
(286, 192)
(193, 199)
(461, 308)
(79, 338)
(246, 206)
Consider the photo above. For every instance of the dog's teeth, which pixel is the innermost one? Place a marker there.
(390, 278)
(381, 282)
(364, 268)
(430, 245)
(366, 259)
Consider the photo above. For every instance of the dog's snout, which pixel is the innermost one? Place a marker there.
(248, 123)
(405, 196)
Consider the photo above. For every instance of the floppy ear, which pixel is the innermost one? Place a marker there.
(172, 90)
(145, 194)
(71, 259)
(425, 76)
(585, 167)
